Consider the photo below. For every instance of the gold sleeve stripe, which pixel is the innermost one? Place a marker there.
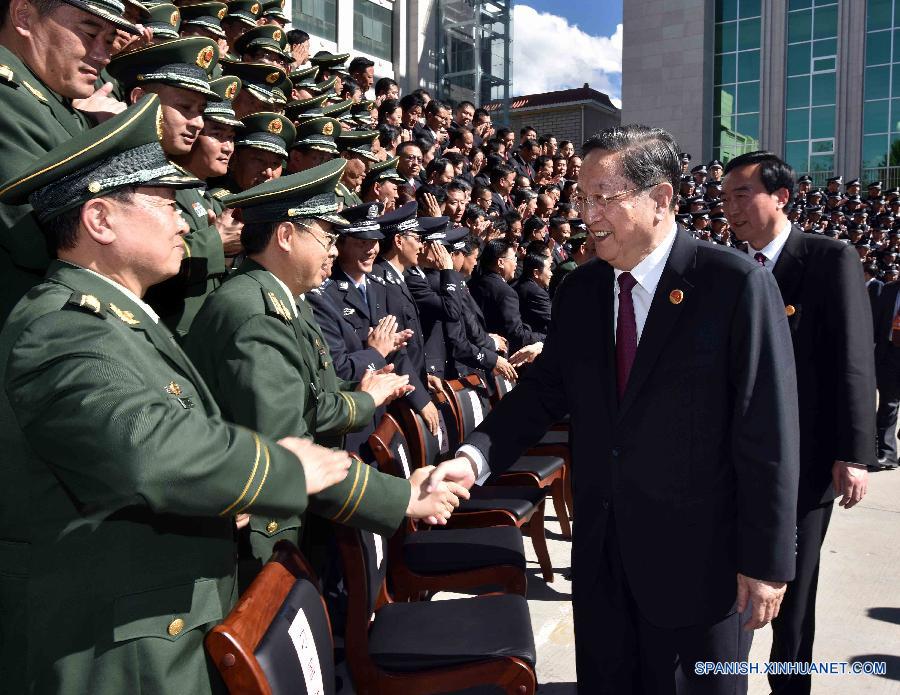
(351, 415)
(352, 490)
(249, 480)
(261, 483)
(362, 493)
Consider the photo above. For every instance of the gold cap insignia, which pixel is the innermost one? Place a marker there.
(328, 129)
(205, 57)
(790, 310)
(221, 14)
(173, 20)
(273, 77)
(173, 389)
(124, 316)
(275, 126)
(94, 187)
(676, 296)
(254, 8)
(276, 34)
(231, 90)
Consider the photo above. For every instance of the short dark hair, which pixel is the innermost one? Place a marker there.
(387, 107)
(349, 86)
(411, 100)
(255, 236)
(436, 165)
(297, 36)
(649, 155)
(387, 134)
(500, 171)
(434, 106)
(558, 221)
(403, 146)
(61, 232)
(360, 63)
(440, 195)
(531, 262)
(526, 129)
(43, 7)
(457, 134)
(492, 252)
(774, 172)
(458, 185)
(383, 85)
(463, 103)
(421, 92)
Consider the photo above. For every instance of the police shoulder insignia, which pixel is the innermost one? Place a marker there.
(377, 278)
(88, 303)
(124, 316)
(348, 311)
(37, 95)
(343, 284)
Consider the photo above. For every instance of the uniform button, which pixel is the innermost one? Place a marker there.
(604, 504)
(175, 627)
(271, 527)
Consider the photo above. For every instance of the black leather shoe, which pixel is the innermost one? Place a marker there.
(884, 464)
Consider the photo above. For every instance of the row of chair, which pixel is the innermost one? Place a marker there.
(278, 638)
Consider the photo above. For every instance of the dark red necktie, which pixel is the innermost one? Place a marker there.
(760, 258)
(626, 333)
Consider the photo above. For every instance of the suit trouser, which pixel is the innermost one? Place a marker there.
(619, 652)
(794, 628)
(887, 375)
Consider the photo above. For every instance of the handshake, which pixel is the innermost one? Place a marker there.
(435, 491)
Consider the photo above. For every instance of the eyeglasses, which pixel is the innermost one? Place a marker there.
(330, 239)
(592, 203)
(412, 158)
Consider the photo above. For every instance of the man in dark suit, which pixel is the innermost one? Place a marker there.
(874, 287)
(503, 179)
(887, 372)
(828, 312)
(534, 299)
(684, 427)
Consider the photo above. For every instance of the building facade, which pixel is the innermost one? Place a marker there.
(817, 81)
(457, 49)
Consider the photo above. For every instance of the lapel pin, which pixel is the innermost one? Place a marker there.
(790, 310)
(676, 296)
(173, 389)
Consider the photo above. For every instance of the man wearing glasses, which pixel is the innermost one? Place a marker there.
(673, 359)
(409, 166)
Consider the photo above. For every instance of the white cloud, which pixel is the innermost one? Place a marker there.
(550, 54)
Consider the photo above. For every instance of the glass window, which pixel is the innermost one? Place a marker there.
(748, 125)
(799, 4)
(726, 37)
(799, 26)
(748, 66)
(797, 92)
(747, 97)
(875, 116)
(796, 124)
(317, 17)
(825, 146)
(878, 14)
(825, 22)
(874, 151)
(822, 162)
(878, 47)
(726, 10)
(373, 29)
(750, 8)
(723, 100)
(894, 153)
(877, 83)
(748, 34)
(798, 58)
(826, 47)
(824, 64)
(821, 122)
(797, 155)
(895, 115)
(725, 68)
(823, 89)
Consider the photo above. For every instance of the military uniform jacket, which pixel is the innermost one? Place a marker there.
(271, 370)
(33, 120)
(534, 302)
(435, 295)
(348, 197)
(116, 537)
(559, 274)
(500, 305)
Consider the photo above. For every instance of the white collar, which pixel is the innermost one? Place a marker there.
(772, 250)
(648, 272)
(286, 291)
(124, 290)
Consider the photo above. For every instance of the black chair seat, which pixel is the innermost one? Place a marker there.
(542, 466)
(512, 498)
(408, 637)
(455, 550)
(554, 437)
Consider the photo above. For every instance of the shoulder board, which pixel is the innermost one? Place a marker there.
(87, 303)
(220, 192)
(343, 285)
(276, 307)
(7, 76)
(37, 95)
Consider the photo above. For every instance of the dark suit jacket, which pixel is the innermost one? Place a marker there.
(502, 313)
(699, 462)
(469, 346)
(874, 288)
(884, 318)
(437, 302)
(534, 302)
(830, 323)
(499, 204)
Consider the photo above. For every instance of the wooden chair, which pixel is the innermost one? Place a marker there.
(490, 505)
(277, 639)
(427, 647)
(461, 559)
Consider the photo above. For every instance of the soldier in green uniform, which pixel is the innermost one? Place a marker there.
(260, 150)
(273, 13)
(260, 350)
(265, 87)
(304, 82)
(205, 19)
(241, 18)
(163, 21)
(45, 63)
(314, 144)
(581, 251)
(265, 44)
(330, 65)
(114, 449)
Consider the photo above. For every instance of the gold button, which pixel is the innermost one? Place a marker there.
(790, 310)
(175, 627)
(271, 527)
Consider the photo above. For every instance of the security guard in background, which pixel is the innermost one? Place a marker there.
(117, 453)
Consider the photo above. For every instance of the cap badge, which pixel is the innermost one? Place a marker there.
(676, 296)
(273, 77)
(173, 389)
(276, 34)
(328, 129)
(221, 13)
(790, 310)
(254, 8)
(372, 211)
(173, 18)
(275, 126)
(205, 57)
(94, 187)
(231, 90)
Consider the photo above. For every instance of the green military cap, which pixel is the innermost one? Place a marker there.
(304, 76)
(318, 134)
(323, 87)
(269, 37)
(246, 11)
(208, 15)
(306, 194)
(339, 109)
(358, 142)
(301, 106)
(221, 111)
(383, 171)
(362, 112)
(267, 131)
(113, 11)
(328, 60)
(185, 63)
(266, 82)
(123, 151)
(274, 8)
(164, 21)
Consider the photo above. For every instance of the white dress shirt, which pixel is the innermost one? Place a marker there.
(773, 249)
(647, 273)
(147, 309)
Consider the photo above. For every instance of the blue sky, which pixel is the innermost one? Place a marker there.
(590, 31)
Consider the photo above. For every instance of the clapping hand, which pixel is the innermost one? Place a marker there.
(322, 467)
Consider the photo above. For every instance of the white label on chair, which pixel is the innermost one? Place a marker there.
(379, 549)
(401, 452)
(508, 384)
(477, 413)
(305, 645)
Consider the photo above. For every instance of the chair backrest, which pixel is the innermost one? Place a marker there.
(277, 639)
(449, 423)
(472, 404)
(391, 448)
(502, 386)
(424, 447)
